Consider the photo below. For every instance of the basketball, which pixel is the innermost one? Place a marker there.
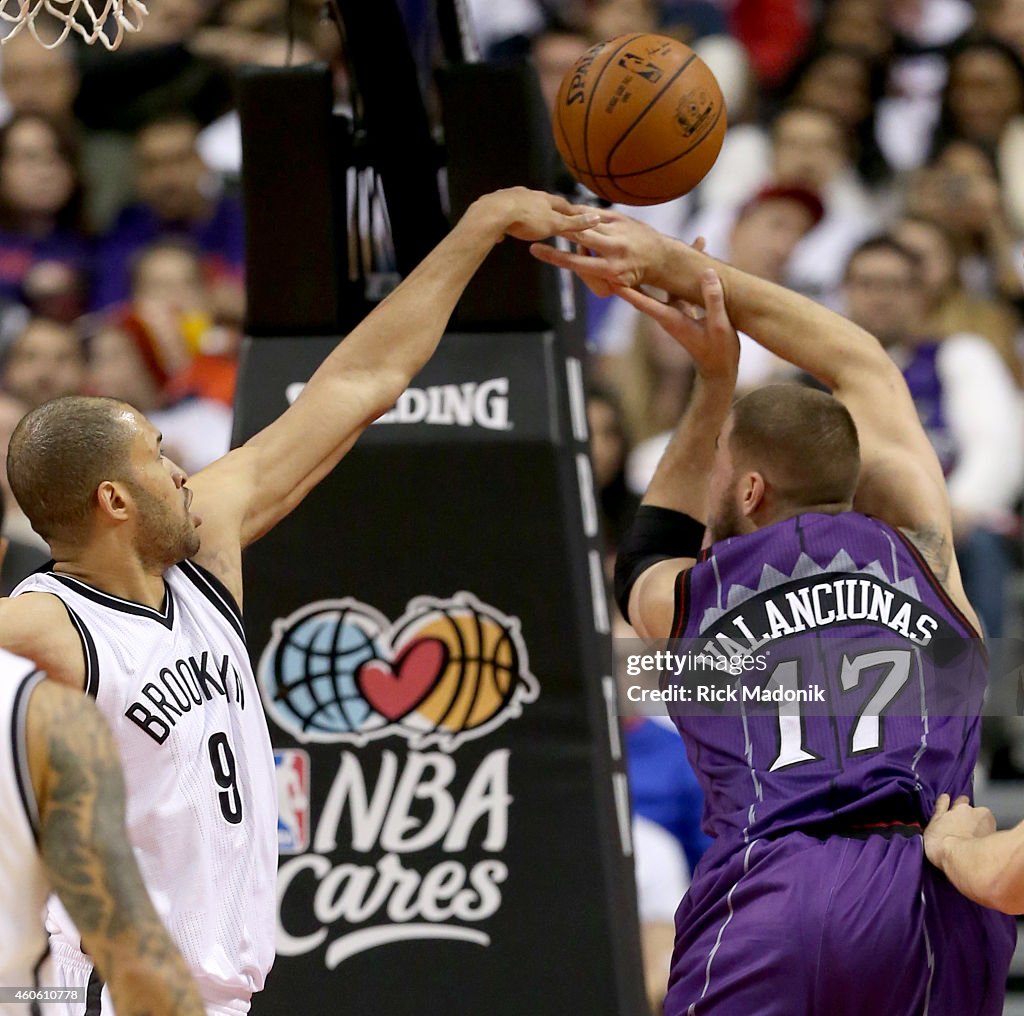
(639, 119)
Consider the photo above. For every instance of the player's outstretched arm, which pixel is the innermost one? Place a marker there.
(76, 775)
(901, 480)
(37, 626)
(677, 495)
(247, 492)
(985, 865)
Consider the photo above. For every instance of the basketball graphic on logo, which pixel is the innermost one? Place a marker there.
(481, 668)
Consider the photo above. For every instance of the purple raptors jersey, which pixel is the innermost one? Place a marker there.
(863, 705)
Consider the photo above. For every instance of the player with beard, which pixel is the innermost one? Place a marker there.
(810, 534)
(141, 607)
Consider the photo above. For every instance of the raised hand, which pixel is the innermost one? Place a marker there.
(621, 251)
(535, 215)
(708, 336)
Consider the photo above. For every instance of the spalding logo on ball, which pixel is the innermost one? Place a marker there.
(639, 119)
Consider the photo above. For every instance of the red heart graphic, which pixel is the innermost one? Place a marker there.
(394, 690)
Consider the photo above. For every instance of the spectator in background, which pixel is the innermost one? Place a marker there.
(662, 877)
(40, 201)
(984, 93)
(949, 308)
(983, 104)
(175, 201)
(173, 320)
(55, 290)
(662, 783)
(1003, 20)
(653, 376)
(857, 24)
(763, 232)
(774, 33)
(610, 18)
(196, 430)
(760, 238)
(220, 143)
(34, 79)
(849, 83)
(668, 806)
(970, 408)
(553, 52)
(609, 446)
(154, 74)
(808, 148)
(961, 190)
(45, 361)
(812, 149)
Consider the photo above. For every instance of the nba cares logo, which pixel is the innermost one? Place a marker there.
(446, 671)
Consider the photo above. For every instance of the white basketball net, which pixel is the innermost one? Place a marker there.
(107, 25)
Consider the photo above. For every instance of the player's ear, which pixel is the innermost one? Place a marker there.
(113, 500)
(752, 493)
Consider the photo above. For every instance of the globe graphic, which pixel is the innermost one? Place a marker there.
(312, 680)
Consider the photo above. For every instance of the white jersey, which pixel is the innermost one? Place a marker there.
(23, 884)
(178, 691)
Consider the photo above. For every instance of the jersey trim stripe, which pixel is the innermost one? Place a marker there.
(681, 610)
(165, 616)
(216, 592)
(94, 993)
(91, 687)
(933, 580)
(19, 749)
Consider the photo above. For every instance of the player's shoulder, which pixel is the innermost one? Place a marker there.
(37, 626)
(26, 614)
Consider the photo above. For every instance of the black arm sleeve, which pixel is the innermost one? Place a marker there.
(656, 534)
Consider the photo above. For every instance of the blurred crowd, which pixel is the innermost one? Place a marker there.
(874, 161)
(122, 241)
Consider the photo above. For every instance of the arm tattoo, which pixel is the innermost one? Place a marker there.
(91, 865)
(936, 548)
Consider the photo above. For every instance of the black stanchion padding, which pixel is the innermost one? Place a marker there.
(497, 134)
(398, 138)
(431, 632)
(294, 153)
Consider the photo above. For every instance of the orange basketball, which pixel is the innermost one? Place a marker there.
(639, 119)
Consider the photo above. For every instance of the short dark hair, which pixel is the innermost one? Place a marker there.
(888, 245)
(804, 441)
(59, 455)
